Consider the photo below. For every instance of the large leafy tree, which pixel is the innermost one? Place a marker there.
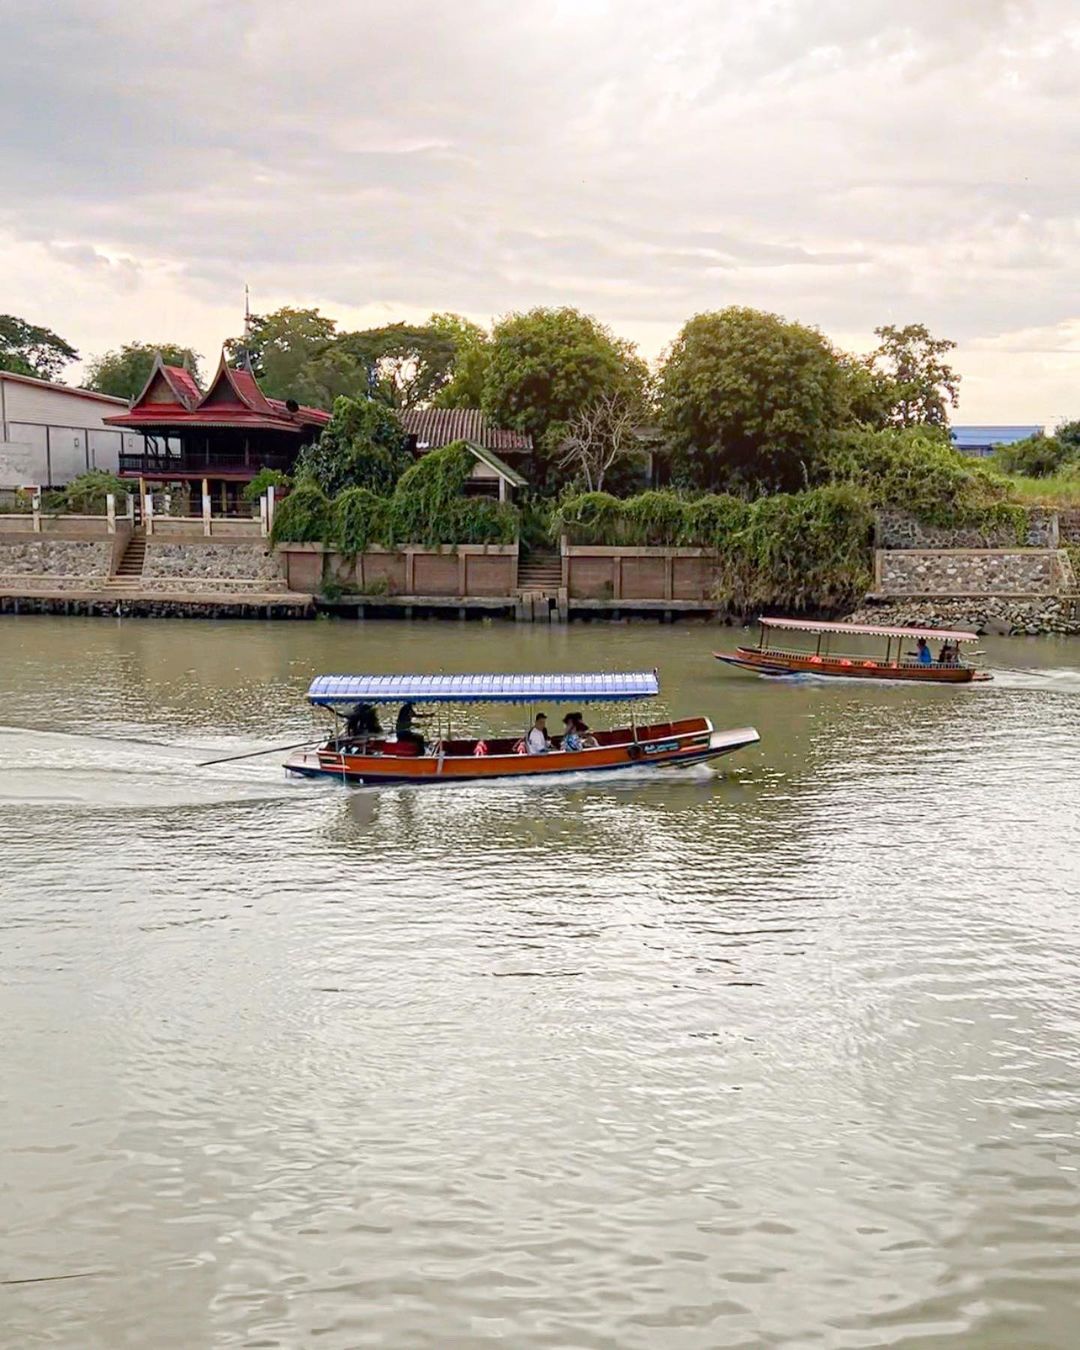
(747, 400)
(123, 372)
(472, 350)
(363, 445)
(547, 365)
(281, 346)
(28, 349)
(406, 364)
(915, 385)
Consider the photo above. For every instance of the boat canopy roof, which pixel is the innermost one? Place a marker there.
(339, 691)
(867, 629)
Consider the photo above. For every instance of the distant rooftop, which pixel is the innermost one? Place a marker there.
(435, 427)
(982, 438)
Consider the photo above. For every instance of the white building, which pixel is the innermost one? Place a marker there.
(50, 433)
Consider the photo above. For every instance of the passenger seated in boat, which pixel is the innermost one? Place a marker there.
(949, 654)
(362, 721)
(538, 742)
(571, 740)
(407, 715)
(586, 740)
(922, 653)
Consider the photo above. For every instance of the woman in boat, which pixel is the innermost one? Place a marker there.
(585, 737)
(571, 739)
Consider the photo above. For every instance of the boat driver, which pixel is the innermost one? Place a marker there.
(403, 727)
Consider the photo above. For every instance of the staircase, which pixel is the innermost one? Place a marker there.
(130, 567)
(540, 572)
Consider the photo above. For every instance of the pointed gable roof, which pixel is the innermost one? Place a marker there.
(235, 388)
(168, 386)
(171, 398)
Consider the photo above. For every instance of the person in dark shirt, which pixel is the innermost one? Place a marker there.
(363, 721)
(407, 715)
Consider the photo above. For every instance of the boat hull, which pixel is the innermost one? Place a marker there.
(692, 741)
(765, 662)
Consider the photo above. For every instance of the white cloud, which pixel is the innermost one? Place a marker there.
(845, 164)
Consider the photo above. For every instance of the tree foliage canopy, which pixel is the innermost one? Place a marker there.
(748, 400)
(546, 365)
(363, 445)
(914, 385)
(124, 372)
(281, 346)
(28, 349)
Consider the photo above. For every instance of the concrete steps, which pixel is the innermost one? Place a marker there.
(540, 572)
(131, 564)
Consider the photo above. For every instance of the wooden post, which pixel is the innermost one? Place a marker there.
(264, 529)
(35, 507)
(206, 526)
(270, 508)
(148, 511)
(110, 512)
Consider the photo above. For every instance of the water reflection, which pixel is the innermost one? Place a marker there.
(782, 1056)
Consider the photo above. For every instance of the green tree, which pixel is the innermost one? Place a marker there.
(124, 372)
(472, 350)
(406, 364)
(363, 445)
(1038, 456)
(748, 399)
(28, 349)
(547, 365)
(280, 347)
(915, 383)
(1068, 433)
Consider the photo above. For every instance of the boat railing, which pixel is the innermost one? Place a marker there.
(859, 659)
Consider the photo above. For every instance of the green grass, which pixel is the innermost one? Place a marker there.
(1061, 489)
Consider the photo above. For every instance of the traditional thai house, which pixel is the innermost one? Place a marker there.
(219, 439)
(501, 455)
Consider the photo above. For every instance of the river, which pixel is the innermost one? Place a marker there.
(783, 1056)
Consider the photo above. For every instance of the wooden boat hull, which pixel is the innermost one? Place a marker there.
(765, 662)
(686, 742)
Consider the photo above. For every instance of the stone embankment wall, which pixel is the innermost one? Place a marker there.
(898, 530)
(58, 564)
(998, 615)
(205, 560)
(943, 572)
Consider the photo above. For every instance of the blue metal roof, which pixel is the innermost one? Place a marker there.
(975, 436)
(337, 691)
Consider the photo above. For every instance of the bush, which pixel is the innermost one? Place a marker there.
(1036, 457)
(86, 494)
(358, 518)
(912, 470)
(267, 478)
(303, 517)
(363, 445)
(795, 551)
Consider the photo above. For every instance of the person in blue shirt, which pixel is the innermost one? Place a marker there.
(922, 653)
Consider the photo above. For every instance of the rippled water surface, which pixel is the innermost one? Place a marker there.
(784, 1056)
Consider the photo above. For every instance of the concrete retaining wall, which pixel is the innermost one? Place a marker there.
(595, 572)
(463, 570)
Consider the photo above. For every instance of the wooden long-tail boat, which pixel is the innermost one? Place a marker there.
(376, 757)
(772, 657)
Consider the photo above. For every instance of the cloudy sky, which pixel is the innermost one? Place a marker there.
(843, 162)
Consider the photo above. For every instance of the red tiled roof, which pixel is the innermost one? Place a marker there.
(183, 382)
(436, 427)
(233, 399)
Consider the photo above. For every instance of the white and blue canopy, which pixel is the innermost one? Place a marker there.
(341, 691)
